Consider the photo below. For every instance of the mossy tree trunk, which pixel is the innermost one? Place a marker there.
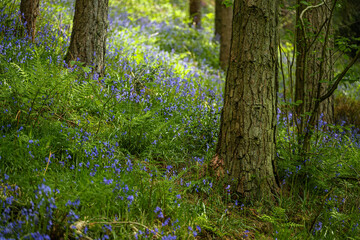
(88, 37)
(223, 27)
(246, 143)
(195, 13)
(29, 10)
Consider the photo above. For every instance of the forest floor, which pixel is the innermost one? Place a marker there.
(128, 155)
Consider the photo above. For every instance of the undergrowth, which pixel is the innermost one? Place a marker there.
(127, 155)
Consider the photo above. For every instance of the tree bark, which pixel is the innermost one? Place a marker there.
(195, 13)
(29, 10)
(300, 63)
(248, 121)
(223, 27)
(88, 37)
(312, 71)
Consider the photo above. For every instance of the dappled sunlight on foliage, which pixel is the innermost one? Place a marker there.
(127, 155)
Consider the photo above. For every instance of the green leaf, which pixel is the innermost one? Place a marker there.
(305, 3)
(86, 69)
(228, 3)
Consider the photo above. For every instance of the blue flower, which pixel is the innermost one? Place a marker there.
(157, 209)
(130, 198)
(318, 226)
(108, 181)
(168, 237)
(166, 222)
(44, 189)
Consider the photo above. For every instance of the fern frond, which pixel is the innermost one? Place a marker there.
(21, 72)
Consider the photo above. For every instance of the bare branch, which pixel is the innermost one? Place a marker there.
(303, 12)
(340, 77)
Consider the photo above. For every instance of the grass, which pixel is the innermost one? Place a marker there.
(128, 155)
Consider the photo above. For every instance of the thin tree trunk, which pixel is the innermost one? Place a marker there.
(29, 10)
(321, 75)
(88, 37)
(223, 27)
(248, 121)
(310, 73)
(300, 64)
(195, 13)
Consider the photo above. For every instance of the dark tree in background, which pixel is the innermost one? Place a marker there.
(315, 83)
(88, 37)
(246, 143)
(313, 59)
(195, 13)
(347, 18)
(223, 27)
(29, 10)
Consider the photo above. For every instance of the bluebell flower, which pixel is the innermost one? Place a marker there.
(108, 181)
(130, 198)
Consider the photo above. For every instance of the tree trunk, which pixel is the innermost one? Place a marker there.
(88, 37)
(311, 73)
(300, 64)
(223, 27)
(248, 121)
(195, 13)
(29, 10)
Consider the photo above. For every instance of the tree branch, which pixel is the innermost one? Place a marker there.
(303, 12)
(340, 77)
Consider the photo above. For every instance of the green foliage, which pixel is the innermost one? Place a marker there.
(128, 154)
(228, 3)
(322, 182)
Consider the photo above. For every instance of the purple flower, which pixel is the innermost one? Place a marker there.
(318, 226)
(72, 215)
(76, 203)
(157, 209)
(108, 181)
(44, 189)
(168, 237)
(107, 227)
(9, 200)
(130, 198)
(161, 215)
(166, 222)
(39, 236)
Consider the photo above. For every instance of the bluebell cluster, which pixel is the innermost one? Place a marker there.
(132, 91)
(150, 96)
